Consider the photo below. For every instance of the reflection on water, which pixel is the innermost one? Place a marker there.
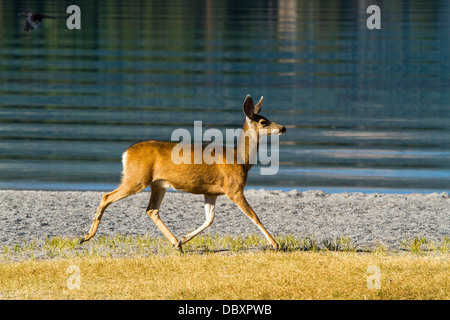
(364, 108)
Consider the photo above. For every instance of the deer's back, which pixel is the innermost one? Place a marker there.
(151, 161)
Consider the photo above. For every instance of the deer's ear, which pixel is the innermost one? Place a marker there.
(248, 107)
(257, 108)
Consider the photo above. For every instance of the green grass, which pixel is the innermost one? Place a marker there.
(421, 245)
(144, 246)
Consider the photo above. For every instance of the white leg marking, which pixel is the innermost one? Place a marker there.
(210, 205)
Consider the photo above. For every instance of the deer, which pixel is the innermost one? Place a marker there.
(149, 163)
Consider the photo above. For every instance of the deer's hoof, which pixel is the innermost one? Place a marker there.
(179, 246)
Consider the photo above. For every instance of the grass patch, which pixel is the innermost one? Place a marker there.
(249, 275)
(222, 267)
(421, 245)
(144, 246)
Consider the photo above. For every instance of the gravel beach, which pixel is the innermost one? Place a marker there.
(367, 219)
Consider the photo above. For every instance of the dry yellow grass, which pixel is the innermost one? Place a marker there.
(260, 275)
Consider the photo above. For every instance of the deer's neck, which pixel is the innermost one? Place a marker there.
(247, 148)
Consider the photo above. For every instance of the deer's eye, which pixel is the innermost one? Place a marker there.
(264, 122)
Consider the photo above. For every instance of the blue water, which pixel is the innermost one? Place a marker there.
(364, 109)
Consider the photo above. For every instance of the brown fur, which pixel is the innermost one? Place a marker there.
(149, 163)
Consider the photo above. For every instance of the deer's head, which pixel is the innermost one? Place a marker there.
(257, 122)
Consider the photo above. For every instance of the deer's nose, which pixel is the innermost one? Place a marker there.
(283, 129)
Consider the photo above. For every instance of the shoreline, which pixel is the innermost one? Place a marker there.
(106, 187)
(368, 220)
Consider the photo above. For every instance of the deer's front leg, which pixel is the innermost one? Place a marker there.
(242, 203)
(210, 204)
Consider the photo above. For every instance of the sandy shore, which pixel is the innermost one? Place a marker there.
(368, 219)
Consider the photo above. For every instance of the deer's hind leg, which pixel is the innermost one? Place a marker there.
(123, 191)
(153, 211)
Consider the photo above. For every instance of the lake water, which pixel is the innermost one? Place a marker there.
(364, 109)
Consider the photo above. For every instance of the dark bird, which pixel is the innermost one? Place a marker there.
(33, 19)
